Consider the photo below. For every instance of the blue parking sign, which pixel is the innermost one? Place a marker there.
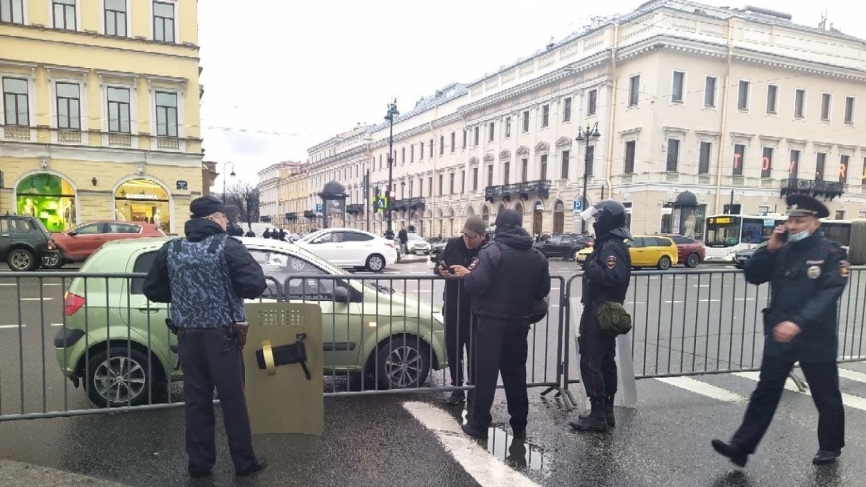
(318, 207)
(577, 205)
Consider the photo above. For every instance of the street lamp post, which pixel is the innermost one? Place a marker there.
(225, 177)
(392, 112)
(585, 134)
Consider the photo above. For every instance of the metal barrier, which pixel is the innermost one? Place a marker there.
(383, 334)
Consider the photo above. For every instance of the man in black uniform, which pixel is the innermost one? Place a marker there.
(206, 277)
(504, 282)
(807, 275)
(606, 277)
(459, 251)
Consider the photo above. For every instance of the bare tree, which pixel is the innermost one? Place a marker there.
(245, 198)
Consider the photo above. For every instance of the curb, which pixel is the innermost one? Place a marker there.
(17, 474)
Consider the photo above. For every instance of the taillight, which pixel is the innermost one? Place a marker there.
(72, 303)
(51, 245)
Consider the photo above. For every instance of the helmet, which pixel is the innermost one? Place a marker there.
(608, 214)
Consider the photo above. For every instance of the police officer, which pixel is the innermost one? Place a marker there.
(504, 282)
(606, 277)
(206, 277)
(807, 275)
(460, 251)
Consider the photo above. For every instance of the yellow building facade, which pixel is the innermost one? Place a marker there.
(296, 190)
(100, 111)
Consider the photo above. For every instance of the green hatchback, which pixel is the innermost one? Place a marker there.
(116, 342)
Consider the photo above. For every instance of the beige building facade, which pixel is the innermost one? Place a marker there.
(696, 108)
(271, 202)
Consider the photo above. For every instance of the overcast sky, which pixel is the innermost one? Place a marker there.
(284, 76)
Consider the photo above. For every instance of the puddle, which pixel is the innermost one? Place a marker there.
(512, 451)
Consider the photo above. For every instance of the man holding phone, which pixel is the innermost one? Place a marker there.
(807, 275)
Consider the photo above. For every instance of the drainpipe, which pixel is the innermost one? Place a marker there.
(612, 108)
(724, 119)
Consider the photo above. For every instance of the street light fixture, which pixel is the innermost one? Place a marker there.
(392, 112)
(585, 134)
(225, 177)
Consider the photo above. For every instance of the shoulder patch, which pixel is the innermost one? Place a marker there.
(610, 262)
(844, 268)
(474, 263)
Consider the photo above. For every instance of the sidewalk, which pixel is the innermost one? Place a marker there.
(16, 474)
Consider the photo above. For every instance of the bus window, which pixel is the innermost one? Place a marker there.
(722, 231)
(752, 231)
(838, 232)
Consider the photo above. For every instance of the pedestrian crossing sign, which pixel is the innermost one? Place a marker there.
(380, 203)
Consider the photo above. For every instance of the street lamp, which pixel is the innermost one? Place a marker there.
(392, 112)
(225, 177)
(585, 134)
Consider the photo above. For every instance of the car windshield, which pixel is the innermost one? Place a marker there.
(415, 236)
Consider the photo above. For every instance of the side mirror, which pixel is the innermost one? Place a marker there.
(341, 295)
(72, 233)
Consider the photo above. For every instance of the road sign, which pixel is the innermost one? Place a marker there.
(381, 202)
(577, 205)
(318, 207)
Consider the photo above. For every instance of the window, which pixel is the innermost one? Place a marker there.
(634, 90)
(142, 264)
(491, 128)
(421, 186)
(451, 183)
(566, 155)
(592, 102)
(526, 121)
(678, 88)
(403, 155)
(843, 168)
(465, 137)
(710, 92)
(12, 11)
(524, 170)
(163, 22)
(166, 116)
(68, 106)
(15, 102)
(474, 179)
(589, 160)
(507, 127)
(800, 104)
(704, 157)
(629, 156)
(412, 153)
(772, 98)
(566, 109)
(543, 175)
(115, 18)
(545, 115)
(441, 184)
(820, 166)
(849, 110)
(422, 150)
(739, 154)
(462, 181)
(441, 144)
(430, 186)
(506, 172)
(743, 96)
(794, 165)
(490, 175)
(64, 14)
(453, 141)
(118, 110)
(475, 136)
(767, 163)
(673, 155)
(431, 147)
(826, 99)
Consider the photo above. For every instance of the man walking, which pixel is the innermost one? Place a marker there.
(807, 275)
(460, 251)
(504, 282)
(403, 237)
(206, 277)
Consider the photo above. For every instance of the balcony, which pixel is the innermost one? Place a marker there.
(522, 190)
(827, 189)
(414, 203)
(291, 216)
(309, 214)
(355, 209)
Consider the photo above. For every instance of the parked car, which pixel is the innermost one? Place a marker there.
(741, 256)
(565, 245)
(79, 243)
(690, 252)
(25, 242)
(351, 248)
(417, 245)
(366, 327)
(437, 247)
(645, 251)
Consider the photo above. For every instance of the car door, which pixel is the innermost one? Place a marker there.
(326, 247)
(359, 246)
(637, 249)
(84, 240)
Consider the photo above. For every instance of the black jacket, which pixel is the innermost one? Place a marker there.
(607, 270)
(508, 276)
(456, 253)
(248, 279)
(806, 279)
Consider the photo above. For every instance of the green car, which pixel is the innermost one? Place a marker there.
(117, 344)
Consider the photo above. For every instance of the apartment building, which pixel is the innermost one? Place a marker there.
(680, 109)
(100, 110)
(272, 204)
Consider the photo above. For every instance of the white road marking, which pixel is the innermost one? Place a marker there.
(481, 465)
(37, 299)
(849, 400)
(852, 375)
(56, 324)
(702, 388)
(8, 327)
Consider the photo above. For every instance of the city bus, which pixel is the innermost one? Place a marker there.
(724, 235)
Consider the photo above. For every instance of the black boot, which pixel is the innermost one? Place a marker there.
(608, 411)
(595, 421)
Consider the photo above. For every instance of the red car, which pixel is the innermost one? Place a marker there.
(77, 244)
(691, 252)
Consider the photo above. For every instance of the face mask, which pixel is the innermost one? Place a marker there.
(798, 236)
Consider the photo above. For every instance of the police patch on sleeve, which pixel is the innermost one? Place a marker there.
(474, 263)
(844, 268)
(814, 272)
(610, 262)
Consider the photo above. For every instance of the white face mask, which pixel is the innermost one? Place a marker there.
(796, 237)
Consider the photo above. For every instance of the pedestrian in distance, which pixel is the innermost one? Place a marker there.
(605, 282)
(504, 283)
(807, 275)
(403, 237)
(206, 276)
(459, 251)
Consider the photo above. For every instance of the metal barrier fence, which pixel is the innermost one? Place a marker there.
(103, 347)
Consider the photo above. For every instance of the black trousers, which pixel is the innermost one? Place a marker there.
(458, 337)
(500, 347)
(209, 360)
(597, 357)
(823, 379)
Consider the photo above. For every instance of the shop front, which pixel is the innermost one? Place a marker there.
(48, 197)
(143, 200)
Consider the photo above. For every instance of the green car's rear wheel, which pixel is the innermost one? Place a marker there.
(121, 377)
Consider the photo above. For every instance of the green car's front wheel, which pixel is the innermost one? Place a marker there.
(118, 377)
(403, 363)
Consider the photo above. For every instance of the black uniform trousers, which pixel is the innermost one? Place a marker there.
(500, 347)
(823, 379)
(458, 337)
(209, 359)
(597, 356)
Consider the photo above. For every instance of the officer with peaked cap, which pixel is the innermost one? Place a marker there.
(807, 275)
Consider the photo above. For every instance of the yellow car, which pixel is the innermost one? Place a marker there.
(645, 251)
